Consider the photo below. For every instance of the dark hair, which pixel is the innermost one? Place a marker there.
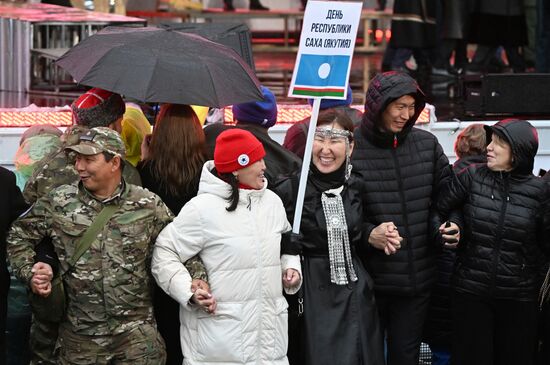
(233, 198)
(177, 148)
(471, 141)
(109, 156)
(336, 116)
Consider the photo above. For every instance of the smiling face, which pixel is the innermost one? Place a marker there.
(329, 148)
(252, 175)
(99, 176)
(397, 113)
(499, 154)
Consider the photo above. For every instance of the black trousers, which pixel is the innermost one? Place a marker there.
(402, 319)
(493, 331)
(544, 336)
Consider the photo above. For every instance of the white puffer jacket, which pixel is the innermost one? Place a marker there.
(241, 252)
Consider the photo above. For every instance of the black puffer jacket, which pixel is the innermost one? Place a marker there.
(401, 174)
(503, 221)
(438, 327)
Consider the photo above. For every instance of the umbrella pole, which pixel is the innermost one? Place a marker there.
(305, 165)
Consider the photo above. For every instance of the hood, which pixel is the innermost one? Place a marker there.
(523, 139)
(383, 89)
(211, 184)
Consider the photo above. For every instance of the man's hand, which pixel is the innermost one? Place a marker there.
(291, 278)
(205, 300)
(41, 281)
(450, 233)
(386, 237)
(199, 284)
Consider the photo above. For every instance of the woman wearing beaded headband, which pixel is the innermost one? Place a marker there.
(339, 323)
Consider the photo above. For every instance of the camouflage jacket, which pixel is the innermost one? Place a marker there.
(109, 288)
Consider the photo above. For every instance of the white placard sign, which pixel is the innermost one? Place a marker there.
(326, 49)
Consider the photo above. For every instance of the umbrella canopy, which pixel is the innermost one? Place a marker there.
(162, 66)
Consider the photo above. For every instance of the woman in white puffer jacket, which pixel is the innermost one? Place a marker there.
(234, 224)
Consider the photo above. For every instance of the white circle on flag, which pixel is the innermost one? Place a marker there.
(324, 70)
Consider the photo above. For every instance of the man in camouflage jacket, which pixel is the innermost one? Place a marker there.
(109, 317)
(95, 108)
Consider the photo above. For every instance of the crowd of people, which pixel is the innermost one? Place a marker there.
(437, 32)
(186, 254)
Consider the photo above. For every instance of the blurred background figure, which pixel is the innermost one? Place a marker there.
(295, 137)
(470, 148)
(543, 36)
(253, 5)
(497, 23)
(135, 127)
(257, 117)
(453, 15)
(172, 159)
(36, 143)
(12, 205)
(414, 32)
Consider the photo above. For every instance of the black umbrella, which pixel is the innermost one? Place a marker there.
(162, 66)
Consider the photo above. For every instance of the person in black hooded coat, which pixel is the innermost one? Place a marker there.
(402, 168)
(13, 204)
(340, 321)
(497, 279)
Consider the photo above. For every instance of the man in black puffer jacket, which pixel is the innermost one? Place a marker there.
(402, 168)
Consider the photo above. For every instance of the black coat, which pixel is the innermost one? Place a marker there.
(166, 309)
(437, 328)
(401, 173)
(413, 24)
(278, 161)
(13, 205)
(340, 323)
(504, 231)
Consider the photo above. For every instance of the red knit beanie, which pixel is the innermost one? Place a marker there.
(97, 108)
(236, 149)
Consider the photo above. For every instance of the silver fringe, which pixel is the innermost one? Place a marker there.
(338, 240)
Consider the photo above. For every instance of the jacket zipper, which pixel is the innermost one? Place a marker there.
(405, 215)
(498, 241)
(259, 263)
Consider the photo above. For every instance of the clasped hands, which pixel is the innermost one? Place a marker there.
(450, 233)
(202, 296)
(386, 237)
(205, 300)
(41, 281)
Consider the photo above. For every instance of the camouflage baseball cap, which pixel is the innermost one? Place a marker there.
(98, 140)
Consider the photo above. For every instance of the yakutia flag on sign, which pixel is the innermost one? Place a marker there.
(325, 75)
(326, 49)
